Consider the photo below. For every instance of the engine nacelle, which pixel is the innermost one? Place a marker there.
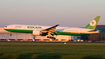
(36, 32)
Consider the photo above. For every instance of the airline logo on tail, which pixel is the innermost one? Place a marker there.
(93, 23)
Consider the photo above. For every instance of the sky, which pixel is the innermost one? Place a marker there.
(70, 13)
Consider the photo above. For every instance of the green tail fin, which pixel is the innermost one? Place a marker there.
(93, 23)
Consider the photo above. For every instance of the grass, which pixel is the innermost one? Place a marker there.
(32, 50)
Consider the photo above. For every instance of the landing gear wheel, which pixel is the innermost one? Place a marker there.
(51, 37)
(48, 37)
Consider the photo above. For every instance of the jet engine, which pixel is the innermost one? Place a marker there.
(36, 32)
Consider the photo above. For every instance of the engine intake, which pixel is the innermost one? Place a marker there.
(36, 32)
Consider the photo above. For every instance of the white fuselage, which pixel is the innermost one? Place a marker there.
(58, 29)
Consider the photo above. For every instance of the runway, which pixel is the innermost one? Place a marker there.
(32, 50)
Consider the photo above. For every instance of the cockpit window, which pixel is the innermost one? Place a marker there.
(5, 27)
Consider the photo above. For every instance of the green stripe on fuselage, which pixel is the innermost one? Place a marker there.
(31, 31)
(20, 31)
(68, 33)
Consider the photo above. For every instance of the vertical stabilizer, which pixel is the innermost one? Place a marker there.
(93, 23)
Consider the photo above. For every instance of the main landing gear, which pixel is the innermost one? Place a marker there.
(51, 37)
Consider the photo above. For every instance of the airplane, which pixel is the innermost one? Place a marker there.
(50, 31)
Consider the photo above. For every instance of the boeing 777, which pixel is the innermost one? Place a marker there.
(50, 31)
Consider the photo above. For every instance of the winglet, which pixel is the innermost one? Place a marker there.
(56, 25)
(93, 23)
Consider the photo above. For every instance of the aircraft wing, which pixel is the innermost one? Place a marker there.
(51, 29)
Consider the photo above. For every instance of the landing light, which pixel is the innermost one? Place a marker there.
(64, 42)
